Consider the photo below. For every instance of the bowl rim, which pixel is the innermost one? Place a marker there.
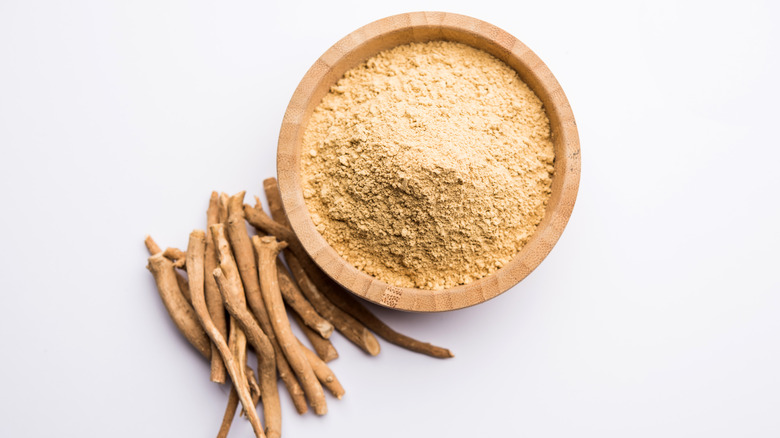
(401, 29)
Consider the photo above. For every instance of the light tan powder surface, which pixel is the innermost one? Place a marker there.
(429, 165)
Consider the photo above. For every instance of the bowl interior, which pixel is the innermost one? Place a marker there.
(421, 27)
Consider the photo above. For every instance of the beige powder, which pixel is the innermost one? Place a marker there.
(429, 165)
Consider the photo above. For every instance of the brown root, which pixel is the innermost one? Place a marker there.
(195, 258)
(323, 347)
(254, 388)
(337, 294)
(230, 413)
(229, 287)
(323, 373)
(153, 249)
(177, 256)
(349, 304)
(179, 309)
(237, 338)
(300, 305)
(241, 245)
(213, 297)
(151, 245)
(348, 326)
(267, 249)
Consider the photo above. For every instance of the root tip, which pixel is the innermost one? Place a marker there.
(372, 345)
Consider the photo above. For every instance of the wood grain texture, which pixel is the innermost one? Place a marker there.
(420, 27)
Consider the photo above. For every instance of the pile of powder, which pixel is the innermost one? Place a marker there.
(429, 165)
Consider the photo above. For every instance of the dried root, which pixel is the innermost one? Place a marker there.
(334, 292)
(267, 249)
(295, 299)
(343, 322)
(226, 269)
(323, 347)
(177, 256)
(195, 257)
(230, 413)
(323, 372)
(230, 289)
(247, 267)
(181, 311)
(153, 249)
(213, 297)
(237, 338)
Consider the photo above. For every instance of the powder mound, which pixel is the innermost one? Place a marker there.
(429, 165)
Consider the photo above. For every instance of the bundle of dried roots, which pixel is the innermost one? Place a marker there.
(236, 298)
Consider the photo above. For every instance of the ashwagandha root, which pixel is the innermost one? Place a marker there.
(152, 246)
(300, 305)
(184, 287)
(271, 189)
(222, 204)
(335, 292)
(177, 256)
(348, 326)
(195, 257)
(237, 338)
(294, 298)
(323, 372)
(251, 381)
(233, 278)
(246, 264)
(181, 312)
(254, 387)
(238, 347)
(213, 297)
(349, 304)
(267, 249)
(323, 347)
(230, 413)
(153, 249)
(232, 403)
(229, 287)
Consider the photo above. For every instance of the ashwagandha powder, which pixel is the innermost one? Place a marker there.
(429, 165)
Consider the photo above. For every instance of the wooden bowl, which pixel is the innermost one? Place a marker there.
(420, 27)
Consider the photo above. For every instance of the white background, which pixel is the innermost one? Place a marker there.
(657, 314)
